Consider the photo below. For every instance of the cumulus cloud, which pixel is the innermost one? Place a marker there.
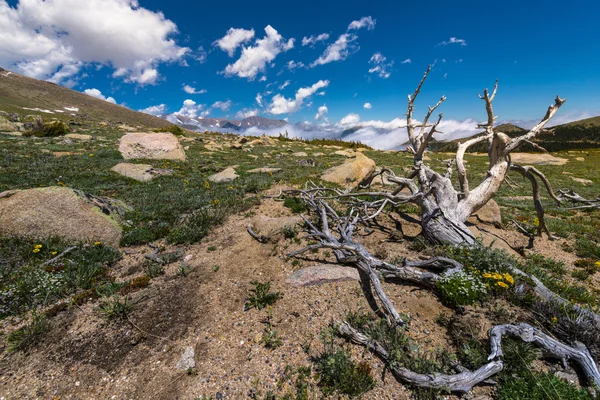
(314, 39)
(364, 22)
(190, 108)
(222, 105)
(380, 66)
(233, 39)
(453, 40)
(281, 105)
(254, 59)
(259, 99)
(54, 39)
(368, 106)
(155, 110)
(97, 94)
(321, 113)
(246, 112)
(192, 90)
(284, 84)
(338, 50)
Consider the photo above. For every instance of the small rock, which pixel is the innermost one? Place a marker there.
(583, 181)
(318, 154)
(139, 172)
(236, 146)
(227, 175)
(264, 170)
(78, 136)
(309, 162)
(489, 213)
(186, 361)
(320, 274)
(272, 227)
(300, 154)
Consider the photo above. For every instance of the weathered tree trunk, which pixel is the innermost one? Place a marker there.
(439, 228)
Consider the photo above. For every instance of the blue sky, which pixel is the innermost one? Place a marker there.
(537, 49)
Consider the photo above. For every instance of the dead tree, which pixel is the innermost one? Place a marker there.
(445, 209)
(337, 232)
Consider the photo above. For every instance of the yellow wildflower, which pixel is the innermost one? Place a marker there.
(508, 278)
(502, 285)
(216, 201)
(597, 263)
(554, 320)
(91, 155)
(207, 185)
(97, 243)
(536, 222)
(487, 275)
(497, 276)
(230, 187)
(60, 183)
(36, 250)
(38, 246)
(186, 181)
(54, 253)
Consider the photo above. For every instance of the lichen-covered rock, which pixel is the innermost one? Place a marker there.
(62, 212)
(274, 228)
(7, 126)
(155, 146)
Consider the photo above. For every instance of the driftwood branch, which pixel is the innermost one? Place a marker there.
(571, 196)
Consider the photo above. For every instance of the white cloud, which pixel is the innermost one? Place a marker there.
(223, 105)
(453, 40)
(281, 105)
(192, 90)
(259, 99)
(368, 106)
(292, 65)
(338, 50)
(155, 110)
(98, 94)
(321, 113)
(380, 66)
(190, 108)
(284, 85)
(254, 59)
(233, 39)
(364, 22)
(314, 39)
(350, 120)
(201, 55)
(54, 39)
(408, 61)
(245, 113)
(262, 78)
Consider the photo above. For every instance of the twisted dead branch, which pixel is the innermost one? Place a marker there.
(571, 196)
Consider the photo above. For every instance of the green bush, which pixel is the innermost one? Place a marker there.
(116, 308)
(50, 129)
(338, 373)
(261, 296)
(174, 129)
(296, 205)
(461, 289)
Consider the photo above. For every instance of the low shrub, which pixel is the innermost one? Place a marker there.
(461, 289)
(30, 334)
(261, 296)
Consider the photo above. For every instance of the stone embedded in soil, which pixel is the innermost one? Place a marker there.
(186, 361)
(139, 172)
(78, 136)
(264, 170)
(300, 154)
(320, 274)
(351, 172)
(489, 213)
(155, 146)
(227, 175)
(583, 181)
(62, 212)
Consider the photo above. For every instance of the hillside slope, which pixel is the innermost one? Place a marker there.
(23, 95)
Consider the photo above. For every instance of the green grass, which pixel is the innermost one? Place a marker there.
(116, 307)
(30, 334)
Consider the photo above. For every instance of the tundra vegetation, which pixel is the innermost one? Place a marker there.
(538, 314)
